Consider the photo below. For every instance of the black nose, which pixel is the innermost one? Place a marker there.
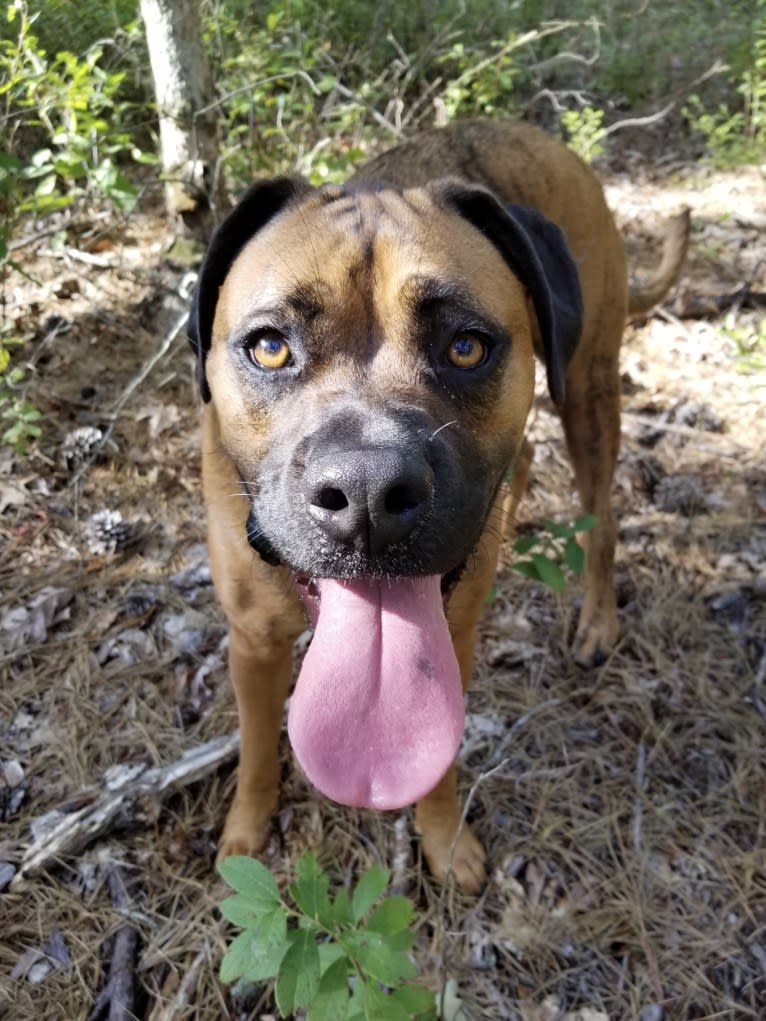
(369, 499)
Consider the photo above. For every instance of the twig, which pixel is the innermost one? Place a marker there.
(68, 833)
(376, 115)
(402, 854)
(257, 84)
(640, 782)
(638, 122)
(25, 242)
(180, 1003)
(692, 433)
(117, 999)
(99, 261)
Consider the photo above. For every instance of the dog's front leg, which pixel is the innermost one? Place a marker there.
(261, 675)
(447, 846)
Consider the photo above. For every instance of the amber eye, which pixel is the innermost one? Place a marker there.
(270, 351)
(467, 351)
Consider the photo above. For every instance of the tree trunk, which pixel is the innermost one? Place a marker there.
(183, 87)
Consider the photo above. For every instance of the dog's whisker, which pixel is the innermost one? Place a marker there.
(446, 425)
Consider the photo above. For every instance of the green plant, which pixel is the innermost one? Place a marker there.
(65, 125)
(15, 410)
(737, 136)
(749, 341)
(585, 131)
(552, 551)
(480, 84)
(337, 957)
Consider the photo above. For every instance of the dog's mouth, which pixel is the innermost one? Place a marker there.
(377, 713)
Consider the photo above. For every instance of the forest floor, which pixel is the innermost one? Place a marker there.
(626, 829)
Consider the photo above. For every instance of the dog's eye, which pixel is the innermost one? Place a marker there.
(270, 351)
(467, 351)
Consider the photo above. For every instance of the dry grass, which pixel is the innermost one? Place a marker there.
(626, 825)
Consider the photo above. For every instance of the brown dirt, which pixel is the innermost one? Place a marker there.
(626, 828)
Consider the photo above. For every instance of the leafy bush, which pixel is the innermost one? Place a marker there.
(66, 135)
(553, 551)
(66, 109)
(341, 956)
(585, 131)
(737, 136)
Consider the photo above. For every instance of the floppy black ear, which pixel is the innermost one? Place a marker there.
(260, 203)
(537, 252)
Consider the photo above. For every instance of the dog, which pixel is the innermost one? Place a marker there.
(366, 360)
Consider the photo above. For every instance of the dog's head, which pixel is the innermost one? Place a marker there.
(370, 356)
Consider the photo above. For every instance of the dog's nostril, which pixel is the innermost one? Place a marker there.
(332, 499)
(400, 499)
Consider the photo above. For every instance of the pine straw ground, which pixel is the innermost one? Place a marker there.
(626, 827)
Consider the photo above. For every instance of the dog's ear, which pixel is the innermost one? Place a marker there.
(537, 252)
(260, 203)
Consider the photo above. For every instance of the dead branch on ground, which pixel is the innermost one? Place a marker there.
(116, 1001)
(63, 833)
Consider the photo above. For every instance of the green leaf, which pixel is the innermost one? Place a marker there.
(237, 957)
(368, 889)
(252, 879)
(585, 522)
(298, 978)
(558, 531)
(528, 569)
(239, 911)
(416, 1000)
(403, 940)
(376, 958)
(525, 543)
(329, 953)
(267, 926)
(332, 1000)
(574, 556)
(9, 164)
(550, 572)
(393, 915)
(377, 1005)
(252, 960)
(46, 187)
(310, 890)
(341, 908)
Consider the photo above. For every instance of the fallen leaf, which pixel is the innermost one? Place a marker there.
(29, 624)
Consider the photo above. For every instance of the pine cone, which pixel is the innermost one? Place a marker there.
(107, 531)
(79, 446)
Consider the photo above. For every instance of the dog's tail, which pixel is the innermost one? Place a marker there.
(646, 293)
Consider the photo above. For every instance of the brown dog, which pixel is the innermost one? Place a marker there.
(366, 355)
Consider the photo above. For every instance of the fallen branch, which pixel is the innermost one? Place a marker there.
(184, 997)
(117, 999)
(718, 67)
(64, 833)
(704, 306)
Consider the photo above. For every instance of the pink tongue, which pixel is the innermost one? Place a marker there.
(377, 714)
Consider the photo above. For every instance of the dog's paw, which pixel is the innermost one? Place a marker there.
(596, 637)
(246, 831)
(466, 861)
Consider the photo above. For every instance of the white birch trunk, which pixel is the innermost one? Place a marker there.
(184, 91)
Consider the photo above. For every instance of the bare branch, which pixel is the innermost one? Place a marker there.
(68, 833)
